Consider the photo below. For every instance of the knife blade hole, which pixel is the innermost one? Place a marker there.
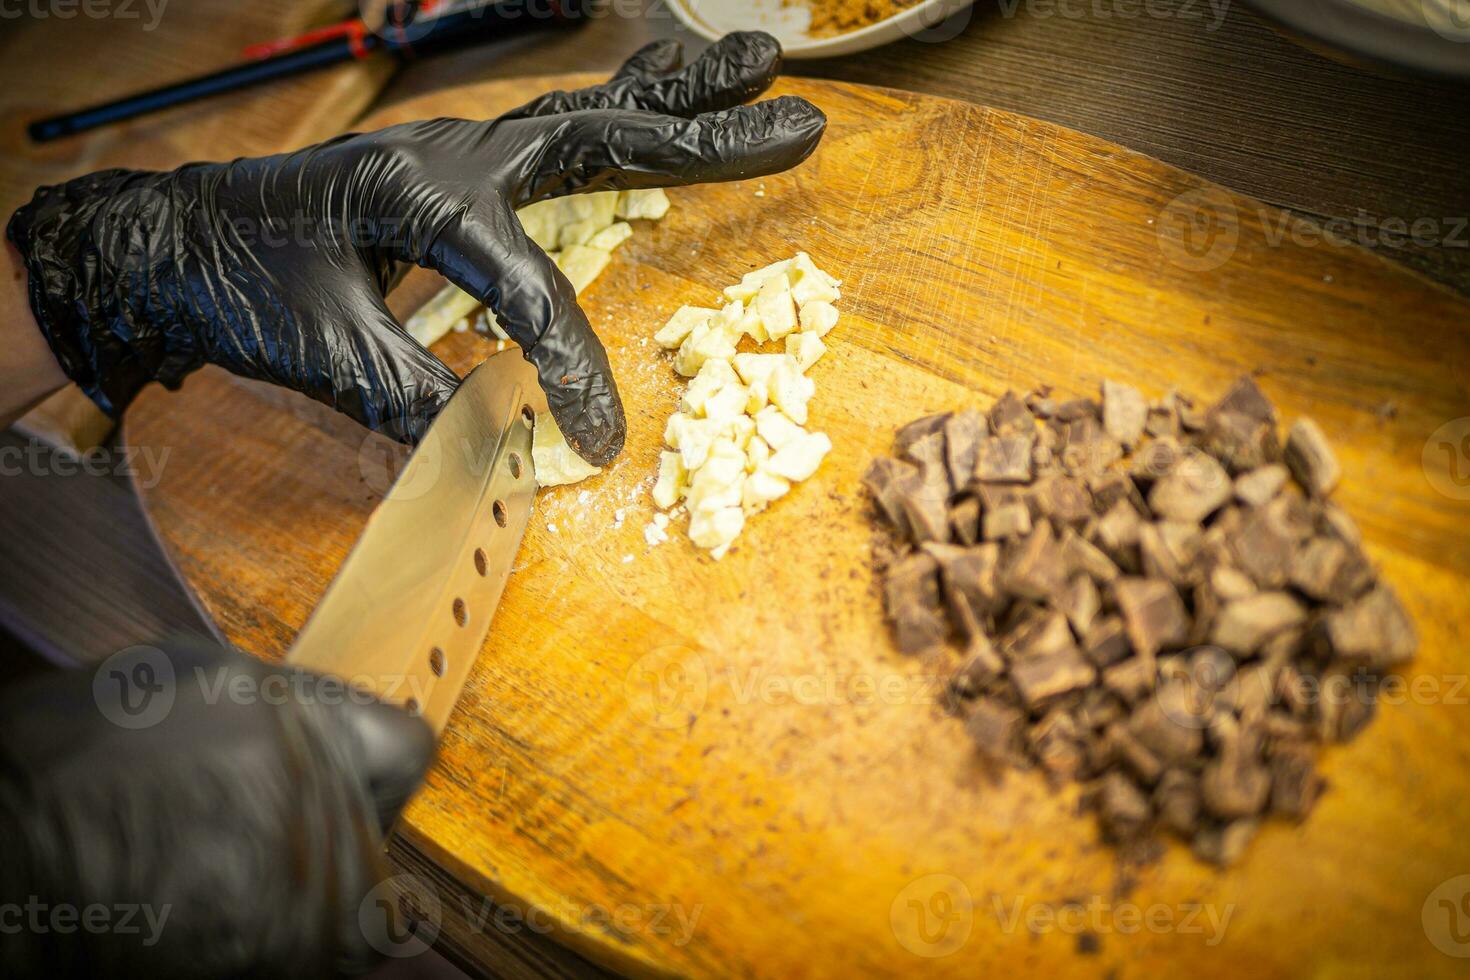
(515, 465)
(436, 662)
(498, 509)
(460, 615)
(480, 561)
(528, 415)
(411, 706)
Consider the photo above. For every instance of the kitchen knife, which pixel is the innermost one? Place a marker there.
(411, 606)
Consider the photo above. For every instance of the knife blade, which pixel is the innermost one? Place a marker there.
(409, 610)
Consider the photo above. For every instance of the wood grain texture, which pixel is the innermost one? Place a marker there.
(737, 743)
(1227, 97)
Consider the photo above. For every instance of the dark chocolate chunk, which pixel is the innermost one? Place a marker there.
(1153, 613)
(1011, 520)
(1236, 784)
(1106, 642)
(1005, 459)
(1310, 458)
(1194, 489)
(1122, 807)
(1241, 442)
(884, 479)
(995, 728)
(1243, 625)
(911, 590)
(964, 520)
(1062, 498)
(962, 434)
(1177, 800)
(1083, 556)
(916, 430)
(1295, 784)
(1255, 487)
(1330, 570)
(1010, 416)
(1080, 602)
(1246, 398)
(1124, 411)
(1033, 568)
(1041, 679)
(1374, 629)
(1223, 846)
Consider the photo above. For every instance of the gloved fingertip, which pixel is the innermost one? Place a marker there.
(395, 750)
(589, 413)
(654, 58)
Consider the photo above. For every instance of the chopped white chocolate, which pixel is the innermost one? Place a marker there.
(681, 325)
(750, 283)
(612, 236)
(672, 479)
(817, 318)
(756, 367)
(776, 308)
(791, 390)
(775, 428)
(651, 203)
(571, 223)
(716, 529)
(810, 284)
(554, 462)
(800, 457)
(737, 442)
(582, 264)
(760, 488)
(578, 233)
(806, 348)
(655, 532)
(706, 341)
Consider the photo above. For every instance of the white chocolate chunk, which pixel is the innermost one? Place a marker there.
(759, 396)
(791, 390)
(760, 488)
(681, 324)
(810, 284)
(726, 405)
(806, 348)
(612, 236)
(554, 462)
(756, 453)
(775, 428)
(651, 203)
(582, 264)
(799, 458)
(578, 233)
(817, 317)
(713, 375)
(706, 341)
(750, 325)
(672, 478)
(715, 530)
(756, 367)
(750, 283)
(742, 427)
(776, 308)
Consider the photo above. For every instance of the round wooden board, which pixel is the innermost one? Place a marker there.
(695, 767)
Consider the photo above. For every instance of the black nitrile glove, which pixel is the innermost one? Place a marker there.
(219, 817)
(276, 267)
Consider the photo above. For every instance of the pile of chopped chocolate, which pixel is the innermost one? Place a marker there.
(1154, 599)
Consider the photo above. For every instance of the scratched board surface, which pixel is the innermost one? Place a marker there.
(694, 767)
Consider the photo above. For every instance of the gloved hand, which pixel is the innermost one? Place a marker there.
(276, 267)
(235, 807)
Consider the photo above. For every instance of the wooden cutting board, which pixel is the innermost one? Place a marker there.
(695, 767)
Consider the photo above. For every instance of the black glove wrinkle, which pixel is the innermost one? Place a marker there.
(276, 267)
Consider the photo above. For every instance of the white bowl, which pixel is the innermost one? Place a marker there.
(713, 19)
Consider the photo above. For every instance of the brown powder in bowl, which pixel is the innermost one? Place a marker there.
(830, 17)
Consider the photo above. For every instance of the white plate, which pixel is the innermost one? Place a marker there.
(713, 19)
